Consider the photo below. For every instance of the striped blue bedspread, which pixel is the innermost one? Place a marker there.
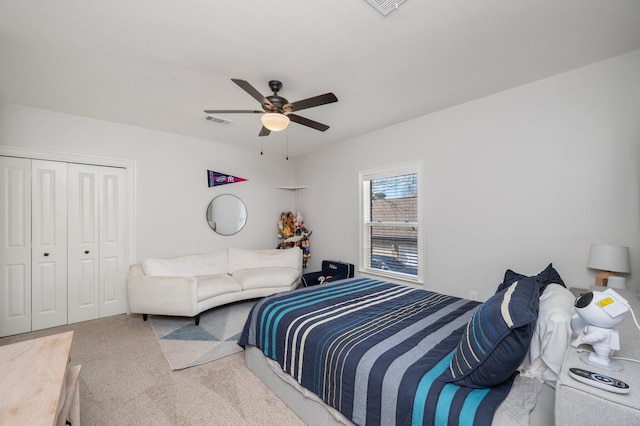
(374, 351)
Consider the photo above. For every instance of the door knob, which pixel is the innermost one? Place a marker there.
(86, 252)
(46, 254)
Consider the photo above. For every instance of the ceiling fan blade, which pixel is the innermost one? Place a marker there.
(307, 122)
(327, 98)
(232, 111)
(247, 87)
(264, 132)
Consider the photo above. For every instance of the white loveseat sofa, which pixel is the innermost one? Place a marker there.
(189, 285)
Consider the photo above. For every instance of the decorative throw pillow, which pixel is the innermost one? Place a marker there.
(548, 276)
(497, 337)
(510, 277)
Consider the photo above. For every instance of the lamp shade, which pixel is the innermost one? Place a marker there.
(606, 257)
(274, 121)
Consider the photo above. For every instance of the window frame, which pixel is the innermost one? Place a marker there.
(364, 224)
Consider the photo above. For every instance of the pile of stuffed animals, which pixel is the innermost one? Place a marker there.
(293, 233)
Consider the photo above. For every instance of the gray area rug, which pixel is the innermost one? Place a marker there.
(185, 344)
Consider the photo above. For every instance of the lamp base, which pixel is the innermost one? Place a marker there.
(603, 278)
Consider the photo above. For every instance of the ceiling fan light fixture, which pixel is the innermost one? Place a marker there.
(275, 121)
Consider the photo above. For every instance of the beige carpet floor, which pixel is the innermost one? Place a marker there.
(125, 380)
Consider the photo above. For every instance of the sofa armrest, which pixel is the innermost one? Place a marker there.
(163, 295)
(136, 270)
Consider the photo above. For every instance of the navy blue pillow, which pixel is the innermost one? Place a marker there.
(549, 276)
(543, 279)
(497, 337)
(509, 278)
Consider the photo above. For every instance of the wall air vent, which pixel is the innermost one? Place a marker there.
(385, 6)
(219, 120)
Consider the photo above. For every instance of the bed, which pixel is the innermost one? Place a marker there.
(363, 351)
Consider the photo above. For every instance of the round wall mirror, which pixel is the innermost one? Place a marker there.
(226, 214)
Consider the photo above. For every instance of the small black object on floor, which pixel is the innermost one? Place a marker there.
(331, 271)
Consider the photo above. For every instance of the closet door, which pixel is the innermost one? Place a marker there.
(49, 244)
(15, 245)
(97, 247)
(113, 249)
(84, 245)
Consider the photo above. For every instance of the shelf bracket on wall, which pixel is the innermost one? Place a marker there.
(292, 190)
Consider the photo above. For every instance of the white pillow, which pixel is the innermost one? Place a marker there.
(552, 334)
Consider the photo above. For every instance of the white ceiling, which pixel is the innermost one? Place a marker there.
(158, 64)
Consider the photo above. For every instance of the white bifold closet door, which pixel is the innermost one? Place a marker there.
(84, 243)
(97, 197)
(15, 245)
(113, 235)
(49, 244)
(62, 243)
(34, 245)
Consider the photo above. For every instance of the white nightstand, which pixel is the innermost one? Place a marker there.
(583, 405)
(577, 291)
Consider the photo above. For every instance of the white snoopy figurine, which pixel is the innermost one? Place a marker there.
(598, 312)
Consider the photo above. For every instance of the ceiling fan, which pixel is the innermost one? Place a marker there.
(277, 111)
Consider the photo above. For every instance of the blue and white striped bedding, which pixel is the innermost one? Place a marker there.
(373, 350)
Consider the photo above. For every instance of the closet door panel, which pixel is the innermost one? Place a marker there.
(49, 244)
(113, 295)
(15, 245)
(83, 288)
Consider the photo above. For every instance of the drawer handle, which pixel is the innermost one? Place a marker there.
(86, 252)
(46, 254)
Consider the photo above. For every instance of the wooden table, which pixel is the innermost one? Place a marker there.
(36, 387)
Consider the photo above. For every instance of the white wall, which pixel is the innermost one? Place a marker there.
(516, 180)
(172, 193)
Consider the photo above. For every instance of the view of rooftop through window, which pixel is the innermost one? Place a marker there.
(393, 224)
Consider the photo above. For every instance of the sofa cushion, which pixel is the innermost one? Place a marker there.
(215, 262)
(251, 259)
(214, 285)
(266, 277)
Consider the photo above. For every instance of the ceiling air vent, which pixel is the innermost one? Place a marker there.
(385, 6)
(219, 120)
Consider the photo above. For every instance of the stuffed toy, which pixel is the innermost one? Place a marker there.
(300, 228)
(299, 224)
(286, 226)
(291, 225)
(305, 245)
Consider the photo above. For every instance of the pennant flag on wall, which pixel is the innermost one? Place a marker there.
(216, 178)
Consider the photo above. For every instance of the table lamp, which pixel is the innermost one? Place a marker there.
(608, 259)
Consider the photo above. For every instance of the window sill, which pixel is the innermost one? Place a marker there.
(392, 276)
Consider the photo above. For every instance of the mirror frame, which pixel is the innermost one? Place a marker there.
(213, 224)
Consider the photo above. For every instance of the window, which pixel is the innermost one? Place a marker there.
(391, 222)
